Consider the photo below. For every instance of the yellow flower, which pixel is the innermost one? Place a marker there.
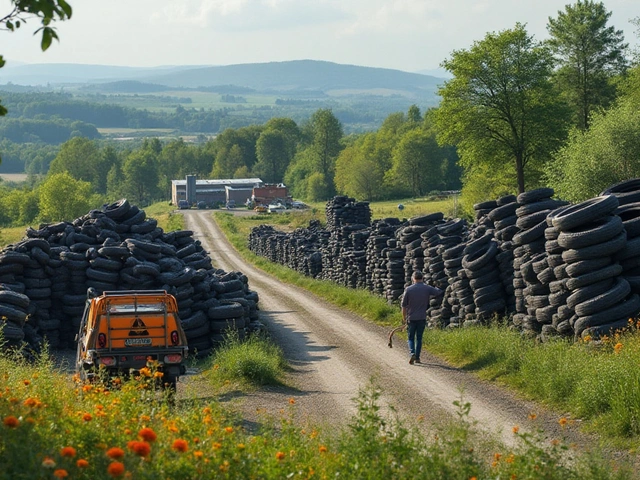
(240, 446)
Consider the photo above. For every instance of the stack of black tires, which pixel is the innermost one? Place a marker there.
(117, 248)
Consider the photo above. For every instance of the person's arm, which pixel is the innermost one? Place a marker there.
(404, 314)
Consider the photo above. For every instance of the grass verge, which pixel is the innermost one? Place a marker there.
(55, 429)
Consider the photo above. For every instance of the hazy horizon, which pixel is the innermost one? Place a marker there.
(407, 35)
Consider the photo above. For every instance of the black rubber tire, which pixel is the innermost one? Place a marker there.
(488, 205)
(531, 235)
(630, 250)
(117, 209)
(538, 301)
(594, 233)
(104, 276)
(535, 289)
(605, 249)
(197, 332)
(11, 298)
(546, 276)
(630, 216)
(535, 195)
(544, 315)
(627, 309)
(421, 220)
(580, 268)
(224, 312)
(477, 244)
(555, 260)
(106, 264)
(488, 297)
(536, 207)
(481, 257)
(529, 221)
(491, 267)
(573, 216)
(503, 212)
(497, 306)
(558, 286)
(608, 329)
(11, 257)
(615, 294)
(558, 298)
(194, 321)
(13, 313)
(590, 278)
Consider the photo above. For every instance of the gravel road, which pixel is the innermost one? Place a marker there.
(334, 353)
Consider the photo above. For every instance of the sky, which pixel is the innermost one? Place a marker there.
(409, 35)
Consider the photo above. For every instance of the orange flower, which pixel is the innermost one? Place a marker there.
(60, 473)
(148, 435)
(292, 401)
(280, 455)
(180, 445)
(82, 463)
(87, 417)
(11, 421)
(532, 416)
(158, 374)
(115, 469)
(228, 429)
(617, 348)
(562, 422)
(26, 382)
(198, 454)
(216, 445)
(68, 452)
(30, 402)
(48, 462)
(145, 418)
(142, 449)
(145, 372)
(87, 388)
(115, 452)
(516, 429)
(322, 449)
(206, 410)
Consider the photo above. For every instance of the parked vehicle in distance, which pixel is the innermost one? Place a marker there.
(277, 208)
(202, 205)
(260, 209)
(183, 204)
(231, 204)
(121, 331)
(298, 205)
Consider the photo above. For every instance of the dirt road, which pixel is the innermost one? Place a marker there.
(334, 353)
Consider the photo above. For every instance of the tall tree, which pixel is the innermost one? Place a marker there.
(500, 106)
(327, 133)
(140, 171)
(418, 163)
(62, 197)
(358, 173)
(273, 158)
(83, 160)
(589, 54)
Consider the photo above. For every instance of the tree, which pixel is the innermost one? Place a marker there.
(590, 54)
(45, 10)
(273, 158)
(417, 163)
(83, 160)
(327, 133)
(227, 162)
(593, 160)
(140, 171)
(500, 106)
(358, 174)
(63, 197)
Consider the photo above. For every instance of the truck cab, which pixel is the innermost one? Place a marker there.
(122, 331)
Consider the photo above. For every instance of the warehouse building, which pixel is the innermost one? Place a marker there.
(217, 191)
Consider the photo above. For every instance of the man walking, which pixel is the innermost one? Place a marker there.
(415, 302)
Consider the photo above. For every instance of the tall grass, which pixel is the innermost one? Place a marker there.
(54, 428)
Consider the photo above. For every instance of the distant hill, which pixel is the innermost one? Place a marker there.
(298, 74)
(71, 73)
(278, 77)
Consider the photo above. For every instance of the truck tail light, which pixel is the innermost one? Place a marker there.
(173, 358)
(108, 361)
(102, 340)
(175, 338)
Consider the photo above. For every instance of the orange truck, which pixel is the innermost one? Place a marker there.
(123, 331)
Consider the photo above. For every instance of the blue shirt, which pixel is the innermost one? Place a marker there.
(416, 300)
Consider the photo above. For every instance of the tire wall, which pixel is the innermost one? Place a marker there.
(551, 268)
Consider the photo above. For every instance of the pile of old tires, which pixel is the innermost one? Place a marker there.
(550, 268)
(116, 248)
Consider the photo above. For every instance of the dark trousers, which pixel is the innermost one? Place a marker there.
(416, 331)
